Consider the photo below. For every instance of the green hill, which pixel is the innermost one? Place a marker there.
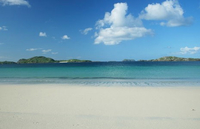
(36, 59)
(7, 62)
(173, 58)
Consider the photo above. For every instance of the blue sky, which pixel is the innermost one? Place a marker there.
(99, 30)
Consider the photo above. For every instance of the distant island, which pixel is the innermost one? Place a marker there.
(173, 58)
(166, 58)
(37, 59)
(42, 59)
(128, 60)
(74, 61)
(7, 62)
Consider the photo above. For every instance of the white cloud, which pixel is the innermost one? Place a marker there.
(15, 2)
(42, 34)
(85, 32)
(3, 28)
(187, 50)
(46, 51)
(114, 35)
(65, 37)
(170, 11)
(32, 49)
(117, 26)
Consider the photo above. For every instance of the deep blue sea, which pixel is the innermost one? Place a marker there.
(104, 73)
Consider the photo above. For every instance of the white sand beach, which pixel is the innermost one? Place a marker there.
(83, 107)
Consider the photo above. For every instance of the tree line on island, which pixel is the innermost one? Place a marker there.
(42, 59)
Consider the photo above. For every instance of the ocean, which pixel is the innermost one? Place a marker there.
(104, 73)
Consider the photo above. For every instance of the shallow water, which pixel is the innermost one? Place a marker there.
(104, 73)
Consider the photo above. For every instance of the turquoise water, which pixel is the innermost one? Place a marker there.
(104, 73)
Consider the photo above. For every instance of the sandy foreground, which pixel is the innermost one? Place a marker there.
(82, 107)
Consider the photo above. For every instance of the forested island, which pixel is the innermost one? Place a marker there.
(7, 62)
(173, 58)
(37, 59)
(42, 59)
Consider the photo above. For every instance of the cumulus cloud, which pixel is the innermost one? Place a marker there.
(187, 50)
(169, 11)
(42, 34)
(65, 37)
(46, 51)
(114, 35)
(3, 28)
(117, 26)
(15, 2)
(85, 32)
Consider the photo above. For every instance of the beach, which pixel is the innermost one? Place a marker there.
(104, 64)
(61, 106)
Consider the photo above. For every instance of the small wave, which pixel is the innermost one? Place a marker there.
(103, 82)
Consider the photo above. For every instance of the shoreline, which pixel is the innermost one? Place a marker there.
(106, 82)
(93, 107)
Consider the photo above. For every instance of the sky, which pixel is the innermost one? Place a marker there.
(99, 30)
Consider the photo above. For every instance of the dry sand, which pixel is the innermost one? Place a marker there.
(82, 107)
